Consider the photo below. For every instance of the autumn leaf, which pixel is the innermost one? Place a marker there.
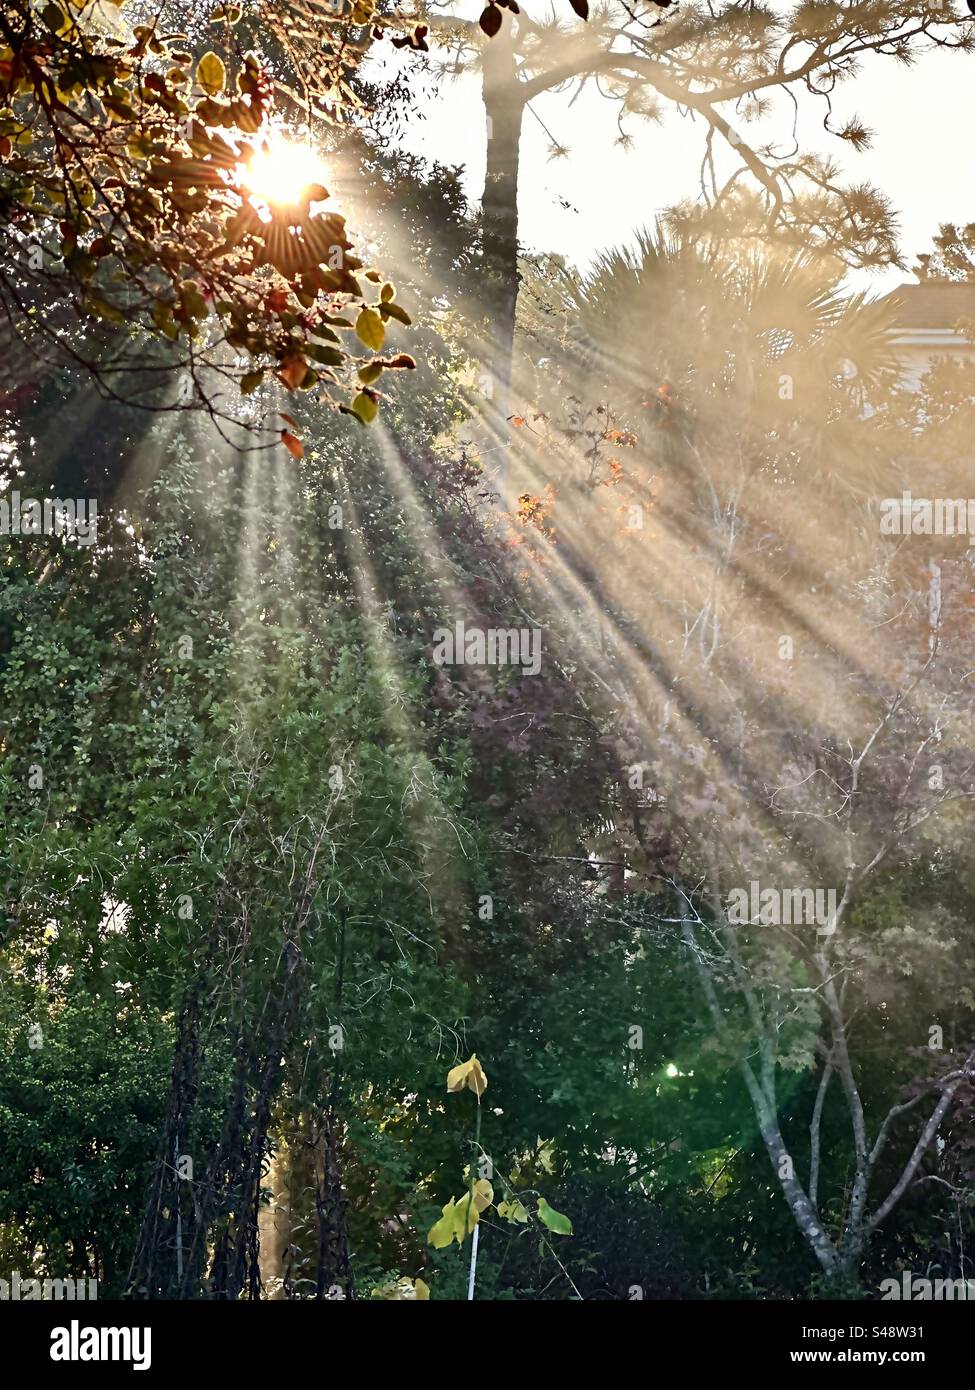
(293, 371)
(370, 329)
(293, 444)
(403, 1291)
(441, 1233)
(466, 1217)
(513, 1211)
(366, 407)
(211, 74)
(459, 1218)
(469, 1074)
(483, 1194)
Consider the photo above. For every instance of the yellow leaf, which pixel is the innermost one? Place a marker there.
(469, 1074)
(441, 1233)
(371, 372)
(370, 328)
(513, 1211)
(211, 74)
(365, 407)
(483, 1194)
(402, 1291)
(460, 1216)
(465, 1217)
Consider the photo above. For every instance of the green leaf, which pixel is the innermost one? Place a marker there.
(557, 1223)
(393, 311)
(192, 300)
(328, 356)
(251, 381)
(104, 310)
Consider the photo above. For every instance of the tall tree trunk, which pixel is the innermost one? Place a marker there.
(334, 1264)
(504, 107)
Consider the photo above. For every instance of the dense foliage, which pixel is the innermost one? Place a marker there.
(323, 953)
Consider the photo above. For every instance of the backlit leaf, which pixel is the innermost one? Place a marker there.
(292, 372)
(211, 74)
(365, 407)
(293, 444)
(370, 329)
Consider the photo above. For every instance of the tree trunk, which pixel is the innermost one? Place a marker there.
(504, 106)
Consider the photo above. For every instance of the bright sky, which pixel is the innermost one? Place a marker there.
(921, 116)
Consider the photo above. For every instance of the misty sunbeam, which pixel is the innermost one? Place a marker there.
(487, 648)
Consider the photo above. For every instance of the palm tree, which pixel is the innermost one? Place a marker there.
(745, 349)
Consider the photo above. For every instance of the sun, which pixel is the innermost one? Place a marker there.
(282, 172)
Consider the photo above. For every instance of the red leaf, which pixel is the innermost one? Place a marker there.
(293, 444)
(293, 371)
